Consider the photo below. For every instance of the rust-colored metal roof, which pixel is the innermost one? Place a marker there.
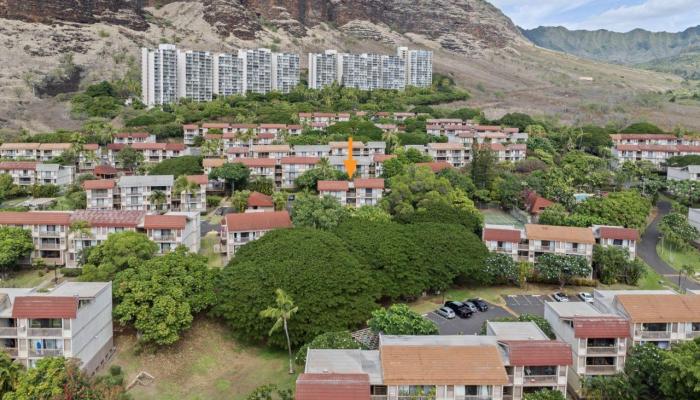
(175, 146)
(237, 150)
(164, 222)
(538, 352)
(15, 165)
(332, 186)
(436, 166)
(380, 158)
(442, 365)
(271, 148)
(54, 146)
(300, 160)
(257, 199)
(446, 146)
(213, 162)
(618, 233)
(105, 170)
(214, 125)
(256, 162)
(601, 327)
(19, 146)
(198, 179)
(369, 183)
(559, 233)
(273, 126)
(190, 126)
(45, 307)
(332, 386)
(660, 307)
(497, 147)
(34, 218)
(261, 221)
(109, 218)
(99, 184)
(502, 235)
(642, 136)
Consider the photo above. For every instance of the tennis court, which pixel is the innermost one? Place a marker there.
(493, 216)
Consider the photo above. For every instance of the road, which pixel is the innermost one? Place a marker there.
(647, 250)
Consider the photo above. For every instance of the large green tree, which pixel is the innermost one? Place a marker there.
(10, 373)
(324, 171)
(177, 166)
(234, 174)
(681, 371)
(161, 296)
(312, 211)
(399, 319)
(332, 289)
(544, 394)
(129, 158)
(628, 208)
(613, 265)
(120, 251)
(15, 244)
(644, 367)
(562, 268)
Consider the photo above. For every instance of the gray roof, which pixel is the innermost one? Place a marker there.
(312, 147)
(80, 289)
(376, 144)
(345, 362)
(573, 309)
(148, 180)
(48, 167)
(339, 160)
(436, 340)
(516, 331)
(11, 293)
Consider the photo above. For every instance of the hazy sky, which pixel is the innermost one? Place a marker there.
(616, 15)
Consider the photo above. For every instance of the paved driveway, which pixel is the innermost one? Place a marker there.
(206, 227)
(647, 250)
(469, 326)
(526, 304)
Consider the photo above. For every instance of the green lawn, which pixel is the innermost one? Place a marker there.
(13, 202)
(499, 217)
(678, 258)
(208, 250)
(25, 278)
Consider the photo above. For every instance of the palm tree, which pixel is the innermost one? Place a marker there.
(282, 314)
(211, 147)
(391, 139)
(157, 198)
(689, 271)
(184, 185)
(239, 200)
(248, 137)
(279, 199)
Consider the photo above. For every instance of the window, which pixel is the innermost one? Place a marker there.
(46, 323)
(696, 327)
(541, 370)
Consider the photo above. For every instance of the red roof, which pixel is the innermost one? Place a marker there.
(237, 150)
(213, 125)
(175, 146)
(332, 386)
(436, 166)
(332, 186)
(369, 183)
(257, 199)
(264, 221)
(34, 218)
(91, 146)
(618, 233)
(601, 327)
(109, 218)
(380, 158)
(502, 235)
(537, 203)
(538, 352)
(256, 162)
(265, 136)
(300, 160)
(45, 307)
(99, 184)
(105, 170)
(12, 165)
(164, 222)
(190, 126)
(198, 179)
(497, 147)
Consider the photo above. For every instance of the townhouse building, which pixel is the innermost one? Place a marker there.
(509, 152)
(27, 173)
(687, 173)
(363, 165)
(208, 164)
(440, 367)
(377, 166)
(326, 119)
(293, 167)
(193, 200)
(535, 204)
(49, 231)
(396, 116)
(624, 238)
(195, 72)
(43, 152)
(532, 361)
(234, 153)
(173, 229)
(133, 137)
(261, 168)
(136, 192)
(273, 151)
(258, 202)
(357, 193)
(153, 153)
(314, 150)
(655, 148)
(454, 154)
(74, 320)
(159, 75)
(105, 171)
(599, 341)
(102, 194)
(239, 229)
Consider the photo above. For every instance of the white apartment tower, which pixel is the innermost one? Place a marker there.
(285, 71)
(419, 66)
(323, 69)
(393, 71)
(258, 70)
(229, 74)
(352, 70)
(159, 83)
(195, 75)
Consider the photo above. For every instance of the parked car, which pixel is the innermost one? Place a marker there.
(480, 304)
(560, 297)
(586, 297)
(445, 312)
(471, 306)
(460, 309)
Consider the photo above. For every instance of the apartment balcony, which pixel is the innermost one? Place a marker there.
(539, 380)
(163, 238)
(8, 331)
(523, 247)
(692, 335)
(612, 350)
(50, 233)
(10, 351)
(45, 352)
(544, 248)
(504, 249)
(652, 334)
(600, 369)
(45, 332)
(49, 246)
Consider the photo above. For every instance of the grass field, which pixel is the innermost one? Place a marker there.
(205, 364)
(13, 202)
(25, 278)
(499, 217)
(679, 258)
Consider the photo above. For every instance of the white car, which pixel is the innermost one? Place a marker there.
(445, 313)
(586, 297)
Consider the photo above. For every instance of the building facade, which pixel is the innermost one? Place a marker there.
(159, 75)
(239, 229)
(195, 75)
(285, 71)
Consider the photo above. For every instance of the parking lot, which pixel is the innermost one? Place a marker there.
(530, 304)
(469, 326)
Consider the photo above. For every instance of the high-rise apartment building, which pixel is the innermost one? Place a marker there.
(419, 66)
(352, 70)
(159, 75)
(285, 71)
(323, 69)
(195, 75)
(393, 73)
(258, 70)
(229, 74)
(373, 71)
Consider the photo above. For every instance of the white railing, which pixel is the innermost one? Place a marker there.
(653, 334)
(602, 350)
(45, 332)
(8, 331)
(600, 369)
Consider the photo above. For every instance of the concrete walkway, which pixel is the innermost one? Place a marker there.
(647, 250)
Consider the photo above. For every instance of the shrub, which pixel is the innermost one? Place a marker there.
(213, 201)
(71, 272)
(399, 319)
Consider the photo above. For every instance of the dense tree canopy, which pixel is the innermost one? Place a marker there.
(183, 165)
(120, 251)
(562, 268)
(399, 319)
(613, 265)
(234, 174)
(332, 289)
(15, 244)
(329, 340)
(628, 209)
(312, 211)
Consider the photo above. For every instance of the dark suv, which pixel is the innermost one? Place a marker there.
(459, 308)
(480, 304)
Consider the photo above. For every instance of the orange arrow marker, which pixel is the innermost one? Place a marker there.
(350, 163)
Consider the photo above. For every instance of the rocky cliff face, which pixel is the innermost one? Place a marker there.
(120, 12)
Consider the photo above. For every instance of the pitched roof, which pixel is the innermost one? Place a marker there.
(198, 179)
(99, 184)
(271, 148)
(446, 146)
(442, 365)
(538, 352)
(34, 218)
(257, 221)
(436, 166)
(45, 307)
(380, 158)
(164, 222)
(300, 160)
(326, 386)
(13, 165)
(369, 183)
(213, 162)
(660, 307)
(19, 146)
(105, 170)
(537, 203)
(256, 162)
(502, 235)
(609, 232)
(601, 327)
(237, 150)
(559, 233)
(332, 186)
(109, 218)
(257, 199)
